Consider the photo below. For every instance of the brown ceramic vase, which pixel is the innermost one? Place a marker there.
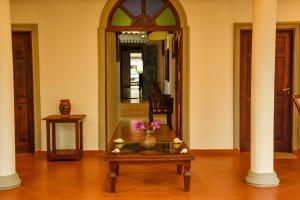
(65, 107)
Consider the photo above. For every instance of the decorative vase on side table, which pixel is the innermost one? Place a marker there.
(65, 107)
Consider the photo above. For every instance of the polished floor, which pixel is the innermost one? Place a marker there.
(131, 93)
(139, 110)
(215, 176)
(134, 110)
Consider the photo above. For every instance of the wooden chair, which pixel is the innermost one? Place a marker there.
(161, 104)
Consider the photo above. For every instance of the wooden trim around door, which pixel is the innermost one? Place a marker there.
(238, 27)
(33, 29)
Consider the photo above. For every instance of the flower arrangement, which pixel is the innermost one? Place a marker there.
(148, 128)
(149, 141)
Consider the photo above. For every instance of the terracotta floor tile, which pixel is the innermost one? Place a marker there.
(214, 177)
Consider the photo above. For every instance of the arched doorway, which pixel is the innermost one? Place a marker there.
(123, 15)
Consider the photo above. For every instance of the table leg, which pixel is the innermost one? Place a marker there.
(48, 140)
(118, 170)
(113, 170)
(179, 169)
(187, 176)
(81, 139)
(53, 138)
(77, 129)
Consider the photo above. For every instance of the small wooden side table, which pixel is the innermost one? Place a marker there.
(64, 154)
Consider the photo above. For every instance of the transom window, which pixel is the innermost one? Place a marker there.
(143, 13)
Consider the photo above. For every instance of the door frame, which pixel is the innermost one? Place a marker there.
(238, 27)
(33, 29)
(102, 71)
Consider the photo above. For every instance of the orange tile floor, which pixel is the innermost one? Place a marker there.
(214, 176)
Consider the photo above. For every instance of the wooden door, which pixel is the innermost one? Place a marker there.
(23, 92)
(283, 89)
(245, 89)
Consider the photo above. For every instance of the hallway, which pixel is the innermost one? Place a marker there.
(215, 175)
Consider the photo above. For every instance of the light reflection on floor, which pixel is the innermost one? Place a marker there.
(131, 93)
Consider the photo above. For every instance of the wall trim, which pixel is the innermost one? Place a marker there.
(85, 153)
(33, 29)
(215, 151)
(238, 27)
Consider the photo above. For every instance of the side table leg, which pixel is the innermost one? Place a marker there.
(77, 140)
(112, 168)
(53, 138)
(187, 176)
(118, 170)
(81, 139)
(179, 169)
(48, 140)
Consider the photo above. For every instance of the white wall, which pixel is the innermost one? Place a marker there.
(211, 69)
(169, 86)
(68, 51)
(211, 61)
(113, 86)
(68, 60)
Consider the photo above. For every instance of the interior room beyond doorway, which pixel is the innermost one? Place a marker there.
(147, 68)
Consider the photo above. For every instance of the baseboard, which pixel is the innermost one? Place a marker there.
(94, 152)
(85, 152)
(215, 151)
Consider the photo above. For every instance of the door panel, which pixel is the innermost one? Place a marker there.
(283, 80)
(282, 90)
(23, 92)
(245, 90)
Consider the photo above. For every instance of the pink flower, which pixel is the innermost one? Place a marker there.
(155, 125)
(139, 125)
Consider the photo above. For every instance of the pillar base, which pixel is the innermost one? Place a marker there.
(9, 182)
(262, 180)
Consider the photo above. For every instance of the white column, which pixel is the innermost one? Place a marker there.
(262, 172)
(8, 176)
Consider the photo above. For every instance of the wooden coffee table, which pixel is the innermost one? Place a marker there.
(131, 153)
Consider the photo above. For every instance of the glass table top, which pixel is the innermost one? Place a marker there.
(161, 148)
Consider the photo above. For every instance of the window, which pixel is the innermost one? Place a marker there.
(143, 13)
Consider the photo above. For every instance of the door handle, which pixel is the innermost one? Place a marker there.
(286, 89)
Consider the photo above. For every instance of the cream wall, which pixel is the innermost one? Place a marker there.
(169, 86)
(211, 69)
(113, 86)
(211, 65)
(69, 61)
(68, 53)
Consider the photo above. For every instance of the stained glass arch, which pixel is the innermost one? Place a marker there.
(142, 14)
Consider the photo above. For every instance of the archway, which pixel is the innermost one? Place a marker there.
(181, 24)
